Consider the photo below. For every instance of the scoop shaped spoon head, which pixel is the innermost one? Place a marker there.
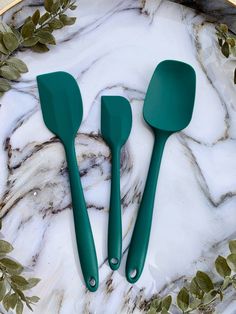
(169, 101)
(61, 103)
(116, 120)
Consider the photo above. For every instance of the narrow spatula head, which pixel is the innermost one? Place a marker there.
(61, 104)
(116, 120)
(169, 101)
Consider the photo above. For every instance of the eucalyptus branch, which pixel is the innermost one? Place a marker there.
(12, 283)
(227, 43)
(35, 34)
(201, 292)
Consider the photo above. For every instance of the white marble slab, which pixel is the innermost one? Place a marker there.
(113, 49)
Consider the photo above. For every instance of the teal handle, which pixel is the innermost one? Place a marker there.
(114, 225)
(84, 237)
(140, 238)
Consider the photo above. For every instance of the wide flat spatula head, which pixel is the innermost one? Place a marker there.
(61, 103)
(169, 101)
(116, 120)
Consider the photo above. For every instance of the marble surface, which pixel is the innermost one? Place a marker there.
(221, 10)
(113, 49)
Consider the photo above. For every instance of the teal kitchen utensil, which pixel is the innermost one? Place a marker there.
(168, 108)
(62, 112)
(116, 122)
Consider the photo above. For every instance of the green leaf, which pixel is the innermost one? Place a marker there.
(48, 5)
(10, 264)
(194, 288)
(5, 247)
(36, 17)
(2, 289)
(225, 49)
(19, 280)
(231, 261)
(152, 310)
(28, 305)
(9, 73)
(44, 18)
(30, 42)
(231, 41)
(27, 30)
(222, 267)
(56, 24)
(55, 6)
(204, 281)
(19, 307)
(156, 304)
(226, 283)
(3, 49)
(220, 41)
(5, 302)
(47, 29)
(46, 38)
(73, 7)
(21, 294)
(18, 34)
(183, 299)
(166, 302)
(232, 246)
(41, 48)
(224, 28)
(64, 3)
(12, 300)
(10, 41)
(33, 299)
(18, 64)
(32, 282)
(4, 28)
(209, 297)
(66, 20)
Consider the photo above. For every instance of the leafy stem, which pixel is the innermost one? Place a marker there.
(227, 43)
(12, 283)
(36, 34)
(53, 16)
(201, 292)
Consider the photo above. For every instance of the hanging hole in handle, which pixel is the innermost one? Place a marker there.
(114, 261)
(92, 282)
(133, 273)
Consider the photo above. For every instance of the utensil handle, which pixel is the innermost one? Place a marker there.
(84, 237)
(140, 238)
(114, 225)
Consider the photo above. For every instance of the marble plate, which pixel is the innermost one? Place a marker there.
(7, 4)
(113, 49)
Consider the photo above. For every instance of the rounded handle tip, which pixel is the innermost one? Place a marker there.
(114, 263)
(92, 284)
(132, 275)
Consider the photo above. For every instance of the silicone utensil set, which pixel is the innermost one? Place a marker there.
(168, 108)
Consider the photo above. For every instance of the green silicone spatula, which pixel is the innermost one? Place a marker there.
(116, 122)
(168, 108)
(62, 112)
